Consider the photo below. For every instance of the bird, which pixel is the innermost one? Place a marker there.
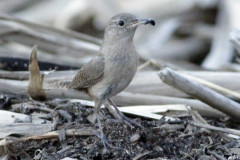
(115, 65)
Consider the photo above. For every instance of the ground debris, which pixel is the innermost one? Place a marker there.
(158, 139)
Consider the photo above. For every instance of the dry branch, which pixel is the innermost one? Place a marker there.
(232, 94)
(218, 129)
(146, 82)
(235, 39)
(152, 111)
(16, 51)
(198, 91)
(24, 129)
(123, 98)
(7, 117)
(221, 51)
(47, 38)
(16, 87)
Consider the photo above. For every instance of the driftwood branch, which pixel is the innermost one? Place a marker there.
(221, 51)
(235, 39)
(201, 92)
(123, 98)
(218, 129)
(24, 129)
(49, 39)
(146, 82)
(16, 87)
(229, 93)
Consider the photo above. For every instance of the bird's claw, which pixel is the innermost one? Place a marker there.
(105, 142)
(129, 122)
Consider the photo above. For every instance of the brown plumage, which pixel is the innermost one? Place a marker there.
(89, 74)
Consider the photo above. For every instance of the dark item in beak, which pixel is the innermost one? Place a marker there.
(152, 22)
(138, 22)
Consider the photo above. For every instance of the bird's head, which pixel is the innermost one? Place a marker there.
(124, 25)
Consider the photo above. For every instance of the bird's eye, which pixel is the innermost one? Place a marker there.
(121, 23)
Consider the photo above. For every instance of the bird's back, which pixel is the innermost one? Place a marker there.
(90, 73)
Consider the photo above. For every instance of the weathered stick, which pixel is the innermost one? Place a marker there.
(221, 51)
(48, 39)
(66, 33)
(123, 98)
(226, 92)
(14, 52)
(218, 129)
(146, 82)
(24, 129)
(200, 92)
(39, 91)
(234, 39)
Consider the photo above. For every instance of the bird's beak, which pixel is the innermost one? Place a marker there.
(138, 22)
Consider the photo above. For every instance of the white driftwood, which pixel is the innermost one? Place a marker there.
(235, 39)
(231, 67)
(186, 49)
(203, 31)
(219, 89)
(221, 51)
(7, 6)
(123, 98)
(47, 38)
(35, 13)
(68, 158)
(23, 52)
(74, 15)
(146, 82)
(200, 92)
(24, 129)
(218, 129)
(7, 117)
(146, 111)
(152, 111)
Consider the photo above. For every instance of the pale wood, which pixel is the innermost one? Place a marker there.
(49, 39)
(234, 39)
(201, 92)
(221, 51)
(146, 82)
(25, 129)
(153, 111)
(35, 86)
(218, 129)
(222, 90)
(123, 98)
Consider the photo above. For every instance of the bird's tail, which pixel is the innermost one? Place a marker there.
(61, 84)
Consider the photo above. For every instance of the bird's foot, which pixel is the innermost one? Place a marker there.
(130, 122)
(105, 142)
(123, 118)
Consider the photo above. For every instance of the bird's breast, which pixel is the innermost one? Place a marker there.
(118, 73)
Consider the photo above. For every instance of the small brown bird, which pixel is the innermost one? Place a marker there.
(115, 65)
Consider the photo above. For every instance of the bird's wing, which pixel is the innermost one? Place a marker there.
(89, 74)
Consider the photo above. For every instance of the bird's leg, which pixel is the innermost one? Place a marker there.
(101, 135)
(125, 119)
